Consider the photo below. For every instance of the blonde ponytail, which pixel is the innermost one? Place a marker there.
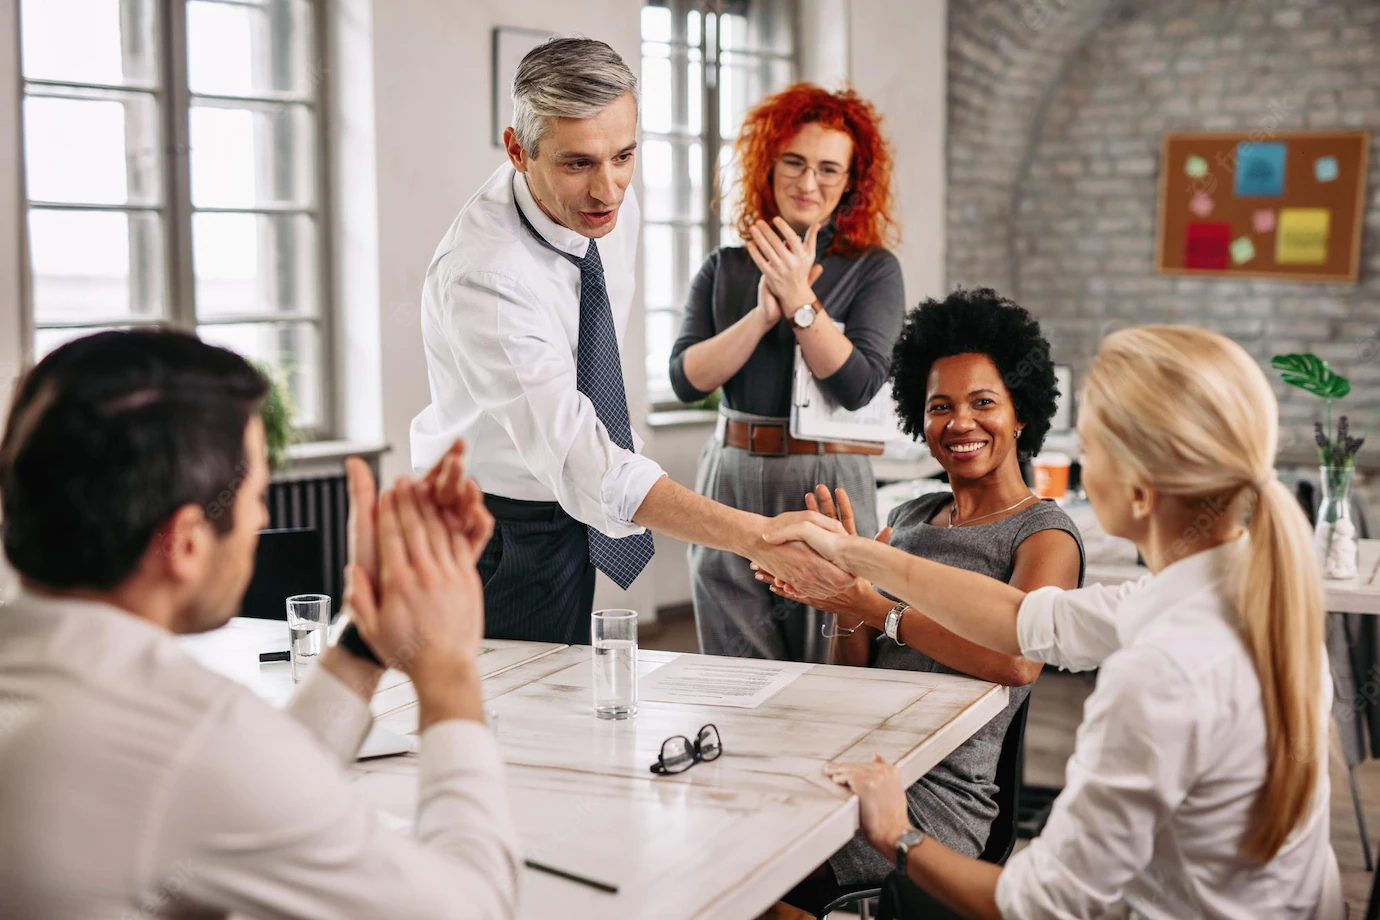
(1190, 413)
(1281, 610)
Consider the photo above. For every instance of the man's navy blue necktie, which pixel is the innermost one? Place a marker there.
(599, 375)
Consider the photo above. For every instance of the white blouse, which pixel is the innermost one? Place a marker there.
(1168, 762)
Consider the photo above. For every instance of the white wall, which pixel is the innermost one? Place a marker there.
(11, 186)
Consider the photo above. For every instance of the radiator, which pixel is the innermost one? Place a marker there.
(320, 503)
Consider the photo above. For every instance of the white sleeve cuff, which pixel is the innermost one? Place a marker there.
(622, 492)
(338, 716)
(1035, 625)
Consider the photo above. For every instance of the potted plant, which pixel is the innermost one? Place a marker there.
(277, 413)
(1335, 534)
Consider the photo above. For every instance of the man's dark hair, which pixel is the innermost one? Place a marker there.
(107, 437)
(982, 322)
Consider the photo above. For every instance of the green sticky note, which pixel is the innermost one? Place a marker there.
(1195, 167)
(1242, 250)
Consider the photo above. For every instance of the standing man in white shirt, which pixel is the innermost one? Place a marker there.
(134, 782)
(524, 306)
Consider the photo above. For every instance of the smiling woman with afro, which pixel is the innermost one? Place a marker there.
(978, 321)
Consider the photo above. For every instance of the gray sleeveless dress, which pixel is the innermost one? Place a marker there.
(955, 802)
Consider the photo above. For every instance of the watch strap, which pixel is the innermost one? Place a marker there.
(354, 643)
(904, 844)
(892, 627)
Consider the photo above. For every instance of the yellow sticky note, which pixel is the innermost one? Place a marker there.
(1301, 236)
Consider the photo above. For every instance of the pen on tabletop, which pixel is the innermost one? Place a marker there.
(571, 876)
(275, 656)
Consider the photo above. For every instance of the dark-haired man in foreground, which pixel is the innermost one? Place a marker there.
(133, 782)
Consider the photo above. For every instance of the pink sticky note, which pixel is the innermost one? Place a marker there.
(1263, 221)
(1202, 204)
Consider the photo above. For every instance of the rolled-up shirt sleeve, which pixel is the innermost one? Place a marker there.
(1137, 757)
(1073, 630)
(513, 358)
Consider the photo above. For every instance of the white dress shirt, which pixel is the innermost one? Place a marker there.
(135, 783)
(1168, 761)
(501, 325)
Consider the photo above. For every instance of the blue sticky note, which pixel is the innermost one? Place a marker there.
(1259, 170)
(1325, 169)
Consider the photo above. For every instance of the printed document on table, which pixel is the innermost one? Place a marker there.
(744, 683)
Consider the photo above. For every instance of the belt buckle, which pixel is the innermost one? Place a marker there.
(752, 440)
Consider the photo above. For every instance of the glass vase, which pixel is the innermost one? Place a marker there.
(1335, 535)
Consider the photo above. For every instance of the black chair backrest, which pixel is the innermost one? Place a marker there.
(287, 562)
(1001, 839)
(1373, 908)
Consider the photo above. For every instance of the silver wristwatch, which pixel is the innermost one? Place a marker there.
(893, 622)
(907, 842)
(804, 318)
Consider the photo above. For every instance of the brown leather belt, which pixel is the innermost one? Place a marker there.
(771, 439)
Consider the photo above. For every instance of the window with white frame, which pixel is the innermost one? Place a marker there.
(173, 176)
(704, 63)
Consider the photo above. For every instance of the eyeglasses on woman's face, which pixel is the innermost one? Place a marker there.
(828, 175)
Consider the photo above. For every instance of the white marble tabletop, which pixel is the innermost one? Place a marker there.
(725, 839)
(1353, 595)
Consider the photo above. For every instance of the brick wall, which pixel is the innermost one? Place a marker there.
(1057, 109)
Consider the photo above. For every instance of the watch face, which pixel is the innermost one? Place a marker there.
(805, 316)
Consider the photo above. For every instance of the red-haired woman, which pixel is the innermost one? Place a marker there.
(815, 213)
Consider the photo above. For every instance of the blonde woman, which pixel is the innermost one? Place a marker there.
(1198, 785)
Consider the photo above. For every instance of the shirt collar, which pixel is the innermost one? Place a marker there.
(1171, 586)
(563, 238)
(109, 615)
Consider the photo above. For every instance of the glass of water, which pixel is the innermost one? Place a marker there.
(309, 615)
(613, 635)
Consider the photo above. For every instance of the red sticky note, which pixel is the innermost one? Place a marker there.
(1207, 245)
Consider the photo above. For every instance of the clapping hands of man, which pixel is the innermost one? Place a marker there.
(412, 587)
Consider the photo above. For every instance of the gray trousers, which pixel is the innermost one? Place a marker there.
(735, 614)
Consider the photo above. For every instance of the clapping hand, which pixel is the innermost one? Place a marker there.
(460, 500)
(786, 261)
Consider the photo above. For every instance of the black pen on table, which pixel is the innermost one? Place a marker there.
(275, 656)
(571, 876)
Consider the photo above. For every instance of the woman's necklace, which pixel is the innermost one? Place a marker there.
(953, 510)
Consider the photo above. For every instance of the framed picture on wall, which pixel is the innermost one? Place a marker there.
(510, 46)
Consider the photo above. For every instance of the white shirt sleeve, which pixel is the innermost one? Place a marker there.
(1073, 630)
(258, 820)
(1137, 757)
(338, 717)
(519, 369)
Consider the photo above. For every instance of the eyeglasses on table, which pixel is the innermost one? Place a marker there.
(679, 753)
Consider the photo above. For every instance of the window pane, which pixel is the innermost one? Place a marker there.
(671, 256)
(662, 328)
(94, 147)
(656, 24)
(744, 81)
(249, 157)
(49, 340)
(672, 180)
(294, 349)
(251, 49)
(766, 28)
(92, 266)
(254, 264)
(728, 192)
(656, 95)
(89, 41)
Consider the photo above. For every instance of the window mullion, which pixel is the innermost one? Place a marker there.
(710, 95)
(176, 100)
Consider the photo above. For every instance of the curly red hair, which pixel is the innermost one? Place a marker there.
(863, 218)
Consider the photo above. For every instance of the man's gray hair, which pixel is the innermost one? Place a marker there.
(566, 78)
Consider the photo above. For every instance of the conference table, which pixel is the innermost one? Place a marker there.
(723, 840)
(1352, 595)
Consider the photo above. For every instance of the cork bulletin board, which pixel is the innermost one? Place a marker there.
(1289, 205)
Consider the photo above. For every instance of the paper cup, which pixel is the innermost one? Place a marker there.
(1051, 474)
